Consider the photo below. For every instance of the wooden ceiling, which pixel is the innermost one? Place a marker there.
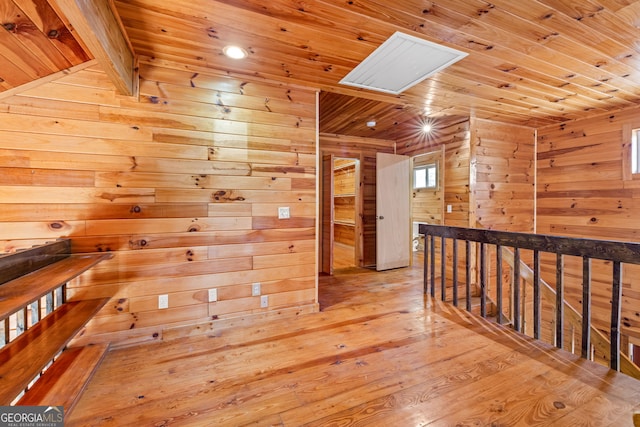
(35, 43)
(531, 63)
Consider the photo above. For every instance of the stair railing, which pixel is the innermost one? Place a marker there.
(618, 253)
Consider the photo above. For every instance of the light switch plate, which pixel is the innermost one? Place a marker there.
(255, 289)
(284, 213)
(213, 295)
(163, 301)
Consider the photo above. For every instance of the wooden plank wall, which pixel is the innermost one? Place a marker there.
(183, 185)
(582, 192)
(504, 188)
(428, 203)
(365, 150)
(455, 138)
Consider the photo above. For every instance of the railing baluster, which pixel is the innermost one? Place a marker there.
(616, 297)
(59, 299)
(586, 308)
(6, 331)
(21, 321)
(433, 266)
(537, 298)
(454, 264)
(559, 300)
(49, 302)
(468, 273)
(499, 283)
(516, 290)
(35, 313)
(425, 264)
(483, 279)
(443, 269)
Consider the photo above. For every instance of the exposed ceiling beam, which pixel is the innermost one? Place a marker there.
(99, 27)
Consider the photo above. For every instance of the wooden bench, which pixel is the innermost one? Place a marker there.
(25, 278)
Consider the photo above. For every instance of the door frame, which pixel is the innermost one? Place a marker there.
(327, 237)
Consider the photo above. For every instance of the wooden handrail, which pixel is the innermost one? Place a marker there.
(34, 281)
(24, 290)
(615, 251)
(29, 353)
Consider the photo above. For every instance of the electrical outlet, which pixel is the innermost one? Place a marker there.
(213, 295)
(163, 301)
(284, 213)
(449, 208)
(264, 301)
(255, 289)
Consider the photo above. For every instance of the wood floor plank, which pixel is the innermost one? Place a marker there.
(378, 353)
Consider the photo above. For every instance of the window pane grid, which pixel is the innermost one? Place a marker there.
(425, 176)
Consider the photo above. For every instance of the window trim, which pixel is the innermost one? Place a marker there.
(426, 167)
(629, 132)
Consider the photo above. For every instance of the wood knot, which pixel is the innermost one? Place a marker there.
(9, 26)
(53, 34)
(55, 225)
(136, 209)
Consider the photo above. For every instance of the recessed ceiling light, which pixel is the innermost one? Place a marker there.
(235, 52)
(371, 123)
(427, 128)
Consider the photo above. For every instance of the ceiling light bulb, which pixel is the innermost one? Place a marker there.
(234, 52)
(426, 128)
(371, 123)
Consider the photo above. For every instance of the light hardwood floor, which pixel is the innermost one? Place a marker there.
(378, 354)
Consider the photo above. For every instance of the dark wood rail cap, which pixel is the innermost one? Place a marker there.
(610, 250)
(19, 292)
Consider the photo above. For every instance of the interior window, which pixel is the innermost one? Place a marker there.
(425, 176)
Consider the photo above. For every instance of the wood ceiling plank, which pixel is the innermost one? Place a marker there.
(12, 75)
(531, 63)
(598, 19)
(45, 18)
(570, 37)
(13, 51)
(35, 43)
(277, 69)
(514, 40)
(101, 30)
(210, 80)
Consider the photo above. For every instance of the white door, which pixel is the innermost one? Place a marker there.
(393, 240)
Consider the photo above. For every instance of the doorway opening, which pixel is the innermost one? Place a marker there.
(341, 213)
(345, 211)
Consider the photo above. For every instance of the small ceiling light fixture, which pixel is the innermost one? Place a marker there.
(234, 52)
(427, 128)
(371, 123)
